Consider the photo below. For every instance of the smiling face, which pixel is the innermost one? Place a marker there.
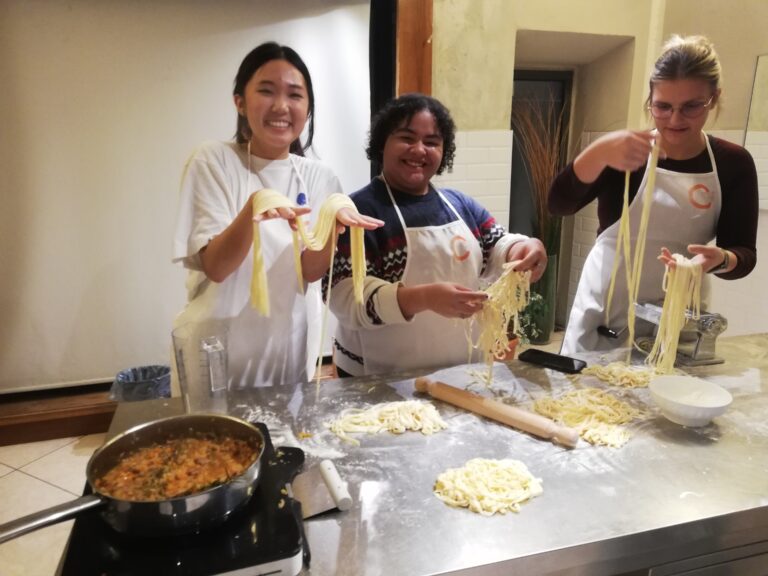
(681, 136)
(276, 105)
(412, 154)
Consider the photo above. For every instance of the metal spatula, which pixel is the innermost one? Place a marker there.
(320, 489)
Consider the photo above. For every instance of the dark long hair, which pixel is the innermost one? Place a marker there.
(255, 59)
(399, 111)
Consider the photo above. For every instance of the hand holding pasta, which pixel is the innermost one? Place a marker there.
(682, 285)
(529, 256)
(447, 299)
(288, 213)
(708, 257)
(507, 297)
(270, 201)
(626, 149)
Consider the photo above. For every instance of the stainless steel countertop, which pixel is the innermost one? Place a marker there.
(670, 493)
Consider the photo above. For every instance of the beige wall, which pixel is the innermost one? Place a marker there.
(738, 31)
(603, 87)
(474, 48)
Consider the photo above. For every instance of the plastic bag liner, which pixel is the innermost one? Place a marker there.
(141, 383)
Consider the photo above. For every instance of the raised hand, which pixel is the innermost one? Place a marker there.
(348, 217)
(531, 255)
(623, 150)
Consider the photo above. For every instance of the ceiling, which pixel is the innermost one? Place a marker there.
(546, 49)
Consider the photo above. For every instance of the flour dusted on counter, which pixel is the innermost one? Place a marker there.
(488, 486)
(595, 413)
(395, 417)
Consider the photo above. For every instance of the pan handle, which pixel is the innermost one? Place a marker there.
(49, 516)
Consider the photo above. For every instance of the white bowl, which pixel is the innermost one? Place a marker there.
(688, 400)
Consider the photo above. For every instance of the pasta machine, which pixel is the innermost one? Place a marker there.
(696, 346)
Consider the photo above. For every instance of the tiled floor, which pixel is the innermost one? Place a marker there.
(37, 475)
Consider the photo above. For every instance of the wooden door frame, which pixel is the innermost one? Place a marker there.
(414, 47)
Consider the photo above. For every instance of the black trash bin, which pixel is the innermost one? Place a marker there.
(142, 383)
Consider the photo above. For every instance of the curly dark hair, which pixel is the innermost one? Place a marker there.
(398, 112)
(255, 59)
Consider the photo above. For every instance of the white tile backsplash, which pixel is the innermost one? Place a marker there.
(481, 169)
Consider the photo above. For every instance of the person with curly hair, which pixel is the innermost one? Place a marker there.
(425, 265)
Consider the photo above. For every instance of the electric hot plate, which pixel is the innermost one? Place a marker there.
(264, 537)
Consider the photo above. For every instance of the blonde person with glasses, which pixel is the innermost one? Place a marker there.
(705, 189)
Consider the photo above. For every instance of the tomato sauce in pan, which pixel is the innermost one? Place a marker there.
(176, 467)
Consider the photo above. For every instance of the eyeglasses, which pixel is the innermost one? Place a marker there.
(689, 109)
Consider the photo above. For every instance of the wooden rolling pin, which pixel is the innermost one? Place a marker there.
(495, 410)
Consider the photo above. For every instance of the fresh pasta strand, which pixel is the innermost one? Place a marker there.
(395, 417)
(633, 262)
(682, 287)
(488, 486)
(642, 234)
(314, 239)
(593, 412)
(622, 374)
(507, 297)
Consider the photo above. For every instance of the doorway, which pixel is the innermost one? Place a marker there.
(548, 92)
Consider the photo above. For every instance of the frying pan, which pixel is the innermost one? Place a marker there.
(183, 514)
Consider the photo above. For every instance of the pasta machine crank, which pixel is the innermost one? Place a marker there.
(696, 346)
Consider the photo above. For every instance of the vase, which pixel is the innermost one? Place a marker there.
(543, 315)
(511, 348)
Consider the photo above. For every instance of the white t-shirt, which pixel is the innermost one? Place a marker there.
(215, 186)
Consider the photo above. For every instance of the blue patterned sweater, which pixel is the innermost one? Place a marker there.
(386, 251)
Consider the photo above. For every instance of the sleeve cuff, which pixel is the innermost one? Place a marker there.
(386, 304)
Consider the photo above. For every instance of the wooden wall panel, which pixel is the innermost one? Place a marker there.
(414, 46)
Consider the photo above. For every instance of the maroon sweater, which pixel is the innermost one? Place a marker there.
(736, 227)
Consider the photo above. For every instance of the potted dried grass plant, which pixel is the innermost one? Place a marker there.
(540, 133)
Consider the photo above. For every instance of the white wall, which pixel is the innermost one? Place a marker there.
(102, 102)
(757, 144)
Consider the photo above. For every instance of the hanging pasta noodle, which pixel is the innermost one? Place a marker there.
(507, 297)
(315, 239)
(682, 285)
(395, 417)
(595, 413)
(633, 262)
(488, 486)
(642, 234)
(621, 373)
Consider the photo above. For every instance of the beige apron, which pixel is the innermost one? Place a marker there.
(447, 253)
(685, 210)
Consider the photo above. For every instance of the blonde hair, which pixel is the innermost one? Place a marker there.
(687, 57)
